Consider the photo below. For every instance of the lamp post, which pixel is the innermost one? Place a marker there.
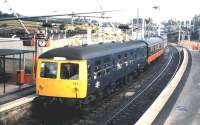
(158, 10)
(179, 32)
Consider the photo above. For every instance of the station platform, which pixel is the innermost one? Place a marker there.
(11, 88)
(186, 109)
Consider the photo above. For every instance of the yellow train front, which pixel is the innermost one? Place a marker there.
(59, 77)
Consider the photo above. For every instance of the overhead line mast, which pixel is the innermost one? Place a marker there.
(17, 16)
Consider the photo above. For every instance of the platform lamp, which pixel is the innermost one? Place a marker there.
(37, 39)
(35, 56)
(40, 40)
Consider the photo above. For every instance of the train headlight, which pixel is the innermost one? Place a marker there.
(75, 89)
(41, 86)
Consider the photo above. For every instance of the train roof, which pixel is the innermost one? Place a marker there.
(153, 40)
(92, 51)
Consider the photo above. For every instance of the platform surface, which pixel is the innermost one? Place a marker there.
(186, 110)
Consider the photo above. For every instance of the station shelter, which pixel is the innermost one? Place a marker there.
(17, 69)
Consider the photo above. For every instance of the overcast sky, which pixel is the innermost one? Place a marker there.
(179, 9)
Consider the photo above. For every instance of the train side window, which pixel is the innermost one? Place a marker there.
(125, 55)
(69, 71)
(48, 70)
(97, 65)
(98, 62)
(119, 57)
(106, 61)
(89, 72)
(131, 53)
(102, 72)
(98, 74)
(107, 71)
(135, 56)
(151, 49)
(114, 62)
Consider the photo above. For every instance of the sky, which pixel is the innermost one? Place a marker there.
(169, 9)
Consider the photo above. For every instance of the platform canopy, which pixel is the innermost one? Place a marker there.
(6, 52)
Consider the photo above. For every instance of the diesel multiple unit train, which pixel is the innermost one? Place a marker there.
(78, 73)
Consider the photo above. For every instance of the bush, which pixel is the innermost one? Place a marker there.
(4, 25)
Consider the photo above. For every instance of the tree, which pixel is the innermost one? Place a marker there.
(62, 27)
(4, 25)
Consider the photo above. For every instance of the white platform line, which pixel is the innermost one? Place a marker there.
(151, 113)
(16, 103)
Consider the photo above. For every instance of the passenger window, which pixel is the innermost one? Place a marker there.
(48, 70)
(125, 55)
(98, 62)
(135, 56)
(69, 71)
(107, 71)
(151, 49)
(106, 60)
(97, 65)
(114, 62)
(131, 53)
(119, 57)
(89, 72)
(102, 72)
(98, 74)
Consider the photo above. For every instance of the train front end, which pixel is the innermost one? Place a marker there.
(61, 78)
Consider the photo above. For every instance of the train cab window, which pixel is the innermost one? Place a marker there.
(48, 70)
(69, 71)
